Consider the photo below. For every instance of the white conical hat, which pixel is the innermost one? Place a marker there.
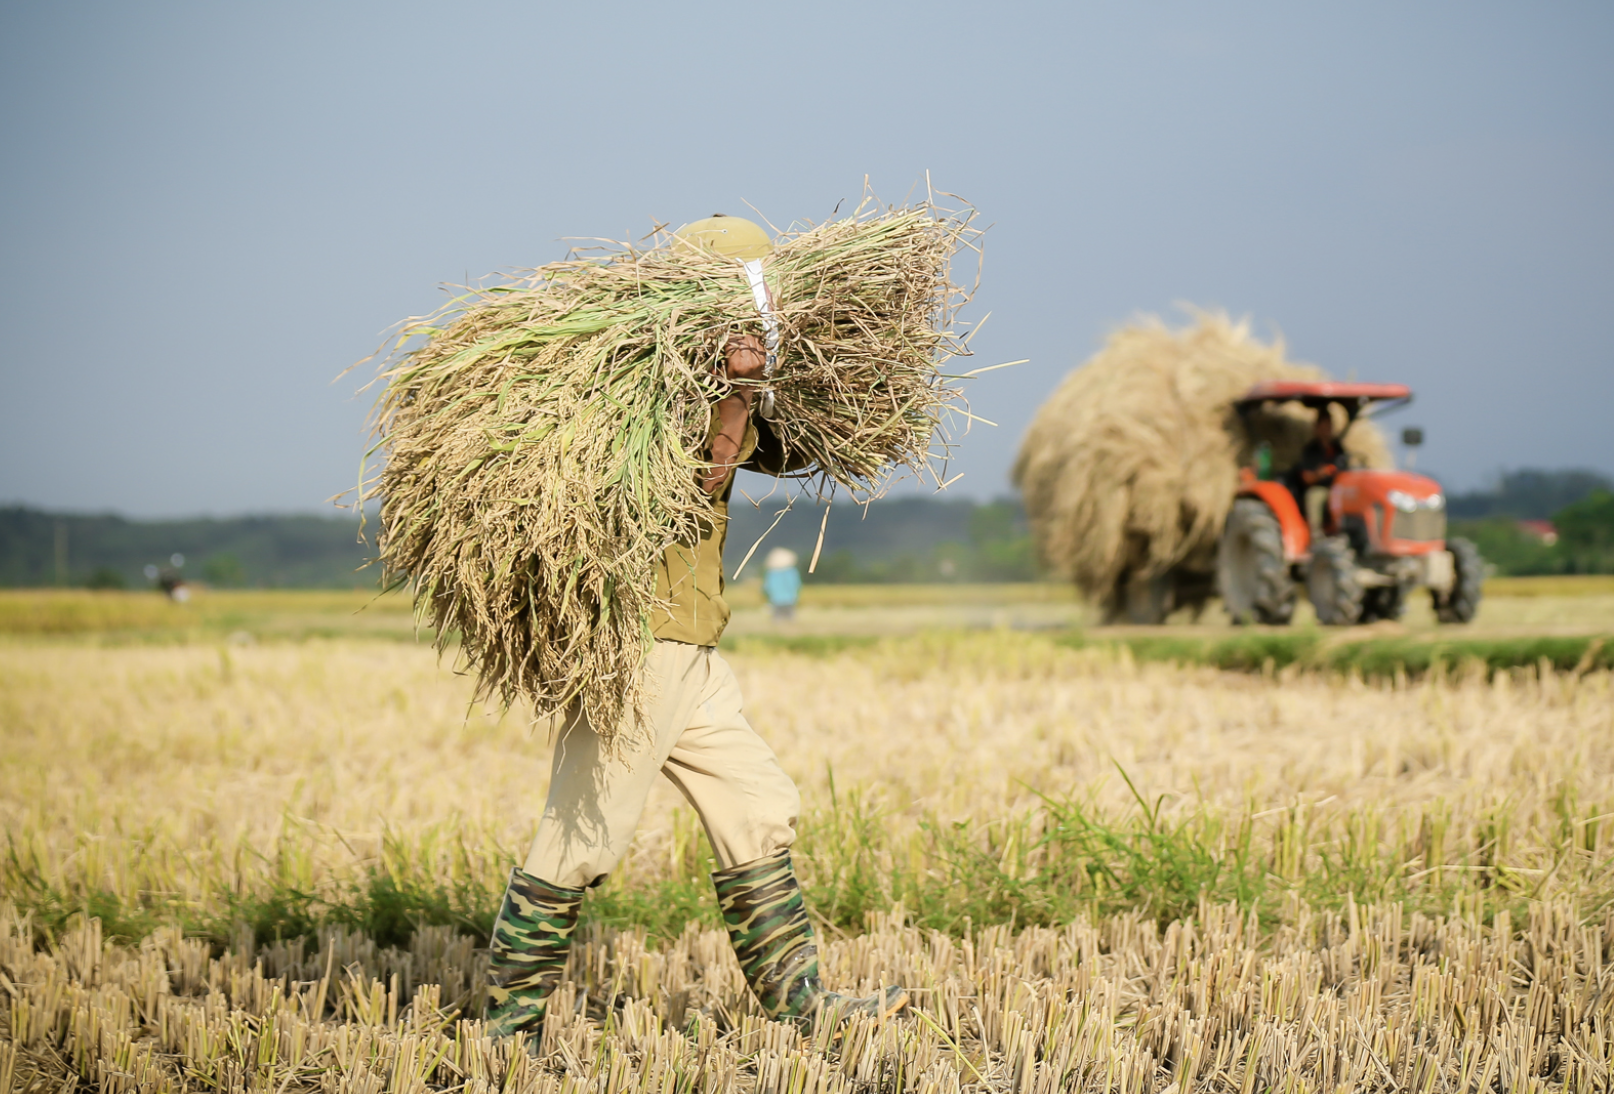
(779, 558)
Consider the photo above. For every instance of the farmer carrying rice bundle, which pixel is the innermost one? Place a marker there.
(561, 453)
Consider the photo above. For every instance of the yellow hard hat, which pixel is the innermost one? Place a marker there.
(731, 237)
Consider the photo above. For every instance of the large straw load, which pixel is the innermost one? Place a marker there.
(542, 436)
(1129, 469)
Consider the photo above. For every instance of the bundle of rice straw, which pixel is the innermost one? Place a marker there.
(1130, 467)
(542, 436)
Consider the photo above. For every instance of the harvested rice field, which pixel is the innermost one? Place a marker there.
(248, 857)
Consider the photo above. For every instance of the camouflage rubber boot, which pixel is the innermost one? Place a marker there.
(531, 939)
(767, 922)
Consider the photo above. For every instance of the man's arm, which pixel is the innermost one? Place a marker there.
(743, 359)
(1317, 464)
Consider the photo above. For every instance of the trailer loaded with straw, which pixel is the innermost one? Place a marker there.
(1131, 467)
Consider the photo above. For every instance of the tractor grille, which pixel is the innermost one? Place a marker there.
(1420, 525)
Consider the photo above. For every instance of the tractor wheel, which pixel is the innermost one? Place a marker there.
(1384, 602)
(1250, 570)
(1460, 604)
(1331, 582)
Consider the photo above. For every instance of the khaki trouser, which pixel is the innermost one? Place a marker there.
(1316, 508)
(699, 739)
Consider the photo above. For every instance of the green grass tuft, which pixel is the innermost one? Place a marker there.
(1380, 657)
(1044, 866)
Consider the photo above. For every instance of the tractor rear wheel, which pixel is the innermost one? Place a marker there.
(1250, 569)
(1331, 582)
(1460, 604)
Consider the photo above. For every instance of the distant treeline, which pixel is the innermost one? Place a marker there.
(906, 539)
(1528, 494)
(106, 551)
(1579, 504)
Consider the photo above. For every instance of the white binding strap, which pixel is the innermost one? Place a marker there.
(770, 332)
(770, 326)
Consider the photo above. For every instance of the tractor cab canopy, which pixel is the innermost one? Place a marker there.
(1316, 394)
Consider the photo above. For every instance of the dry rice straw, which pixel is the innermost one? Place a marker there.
(542, 435)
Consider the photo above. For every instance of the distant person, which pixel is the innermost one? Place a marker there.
(170, 580)
(1321, 460)
(781, 583)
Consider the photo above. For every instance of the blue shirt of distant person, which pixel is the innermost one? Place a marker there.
(781, 582)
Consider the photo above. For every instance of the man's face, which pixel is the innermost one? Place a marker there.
(1324, 429)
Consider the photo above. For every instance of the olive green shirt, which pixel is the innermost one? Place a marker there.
(689, 577)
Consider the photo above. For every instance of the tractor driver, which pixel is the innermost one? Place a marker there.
(1322, 458)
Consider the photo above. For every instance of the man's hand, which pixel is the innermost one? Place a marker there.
(744, 357)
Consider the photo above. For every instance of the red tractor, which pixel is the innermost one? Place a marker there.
(1381, 535)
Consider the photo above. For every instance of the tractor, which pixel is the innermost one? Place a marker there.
(1383, 533)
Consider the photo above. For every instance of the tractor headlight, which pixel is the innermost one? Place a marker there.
(1403, 501)
(1436, 502)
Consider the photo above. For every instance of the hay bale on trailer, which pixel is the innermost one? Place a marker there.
(1129, 469)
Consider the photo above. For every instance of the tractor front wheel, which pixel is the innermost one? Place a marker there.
(1250, 569)
(1331, 582)
(1462, 601)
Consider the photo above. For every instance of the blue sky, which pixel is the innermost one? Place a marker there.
(210, 210)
